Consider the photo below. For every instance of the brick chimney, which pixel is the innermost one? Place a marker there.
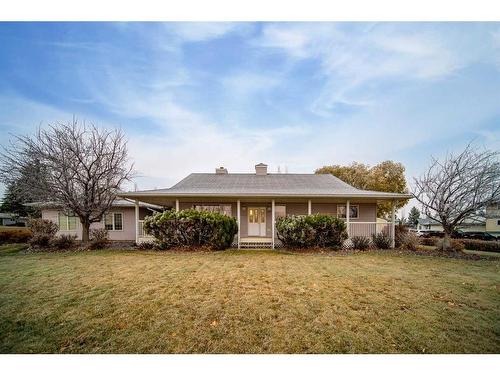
(261, 169)
(220, 170)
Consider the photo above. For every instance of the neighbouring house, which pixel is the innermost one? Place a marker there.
(121, 221)
(257, 199)
(492, 216)
(9, 219)
(487, 224)
(475, 225)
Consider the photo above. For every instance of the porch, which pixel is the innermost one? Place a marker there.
(256, 217)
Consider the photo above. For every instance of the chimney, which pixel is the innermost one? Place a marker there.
(261, 169)
(220, 170)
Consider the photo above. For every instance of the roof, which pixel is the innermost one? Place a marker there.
(469, 221)
(273, 184)
(7, 215)
(116, 203)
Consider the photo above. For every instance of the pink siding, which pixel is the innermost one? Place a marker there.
(367, 213)
(324, 208)
(127, 234)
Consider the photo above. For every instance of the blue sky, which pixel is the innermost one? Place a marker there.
(193, 96)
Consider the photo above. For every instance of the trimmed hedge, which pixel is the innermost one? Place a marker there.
(316, 230)
(479, 245)
(14, 235)
(191, 228)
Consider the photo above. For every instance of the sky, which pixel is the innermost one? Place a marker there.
(194, 96)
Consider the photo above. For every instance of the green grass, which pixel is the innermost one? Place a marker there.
(247, 302)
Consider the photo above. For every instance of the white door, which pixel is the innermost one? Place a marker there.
(257, 221)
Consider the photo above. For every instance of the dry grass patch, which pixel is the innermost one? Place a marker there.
(247, 302)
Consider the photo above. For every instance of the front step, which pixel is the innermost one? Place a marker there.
(256, 245)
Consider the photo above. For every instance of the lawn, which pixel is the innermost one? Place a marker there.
(246, 302)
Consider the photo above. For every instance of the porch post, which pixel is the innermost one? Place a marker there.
(238, 215)
(273, 217)
(136, 204)
(309, 207)
(393, 224)
(347, 217)
(177, 205)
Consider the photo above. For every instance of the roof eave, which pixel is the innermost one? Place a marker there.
(265, 195)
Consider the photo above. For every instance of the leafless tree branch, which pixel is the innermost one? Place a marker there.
(76, 165)
(456, 188)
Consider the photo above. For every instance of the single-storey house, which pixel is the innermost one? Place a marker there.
(120, 221)
(257, 199)
(9, 219)
(487, 223)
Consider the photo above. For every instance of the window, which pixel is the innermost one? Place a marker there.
(220, 208)
(498, 222)
(256, 215)
(341, 211)
(113, 221)
(67, 222)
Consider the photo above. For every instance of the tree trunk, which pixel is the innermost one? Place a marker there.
(446, 240)
(85, 231)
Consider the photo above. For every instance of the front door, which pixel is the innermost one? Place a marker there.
(257, 221)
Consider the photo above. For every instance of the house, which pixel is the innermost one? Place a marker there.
(485, 225)
(473, 225)
(120, 221)
(492, 216)
(257, 199)
(8, 219)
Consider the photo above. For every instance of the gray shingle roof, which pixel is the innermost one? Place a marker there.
(249, 184)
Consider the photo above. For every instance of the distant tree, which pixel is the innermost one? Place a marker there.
(77, 166)
(413, 216)
(387, 176)
(14, 202)
(456, 188)
(355, 174)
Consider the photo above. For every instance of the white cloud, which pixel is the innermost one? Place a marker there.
(203, 31)
(250, 83)
(354, 56)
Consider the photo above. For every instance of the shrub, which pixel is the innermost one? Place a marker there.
(360, 243)
(455, 245)
(428, 241)
(481, 245)
(469, 244)
(400, 234)
(98, 239)
(381, 240)
(43, 232)
(148, 245)
(410, 241)
(191, 228)
(64, 241)
(317, 230)
(18, 235)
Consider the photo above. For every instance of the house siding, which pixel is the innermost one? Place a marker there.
(127, 234)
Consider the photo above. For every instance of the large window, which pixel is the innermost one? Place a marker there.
(256, 215)
(220, 208)
(353, 214)
(67, 222)
(113, 221)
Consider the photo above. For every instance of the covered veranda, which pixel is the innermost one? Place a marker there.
(256, 215)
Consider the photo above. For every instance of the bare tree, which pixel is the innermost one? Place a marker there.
(78, 166)
(456, 188)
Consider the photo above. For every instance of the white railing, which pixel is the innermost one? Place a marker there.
(368, 229)
(140, 229)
